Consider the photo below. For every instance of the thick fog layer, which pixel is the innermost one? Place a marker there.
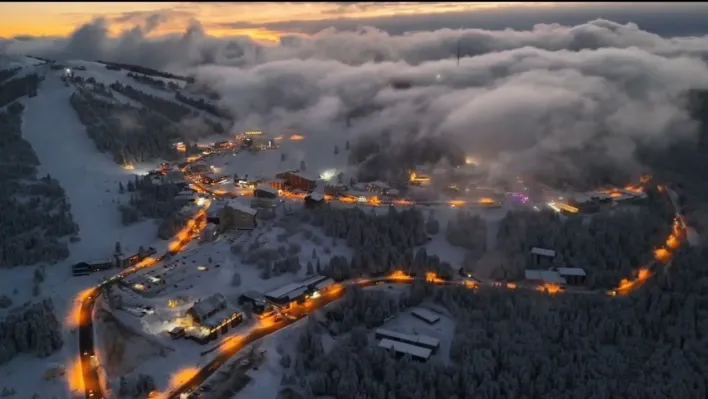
(554, 98)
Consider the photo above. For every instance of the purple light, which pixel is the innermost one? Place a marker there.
(517, 197)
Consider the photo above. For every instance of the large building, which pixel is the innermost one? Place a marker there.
(299, 291)
(239, 215)
(402, 349)
(419, 340)
(419, 347)
(86, 268)
(213, 315)
(296, 180)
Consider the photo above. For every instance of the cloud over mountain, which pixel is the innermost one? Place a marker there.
(554, 97)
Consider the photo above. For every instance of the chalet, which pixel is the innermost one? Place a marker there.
(243, 216)
(213, 315)
(278, 184)
(296, 180)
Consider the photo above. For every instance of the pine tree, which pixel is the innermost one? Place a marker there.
(121, 189)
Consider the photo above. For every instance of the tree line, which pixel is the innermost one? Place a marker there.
(202, 105)
(34, 212)
(149, 199)
(7, 73)
(145, 137)
(609, 246)
(530, 345)
(173, 111)
(15, 88)
(152, 82)
(33, 329)
(147, 71)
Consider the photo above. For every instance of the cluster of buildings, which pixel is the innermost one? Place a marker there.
(557, 276)
(596, 201)
(115, 261)
(213, 316)
(256, 140)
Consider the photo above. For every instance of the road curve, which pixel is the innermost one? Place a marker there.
(89, 366)
(210, 368)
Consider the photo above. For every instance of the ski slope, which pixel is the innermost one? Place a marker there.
(89, 178)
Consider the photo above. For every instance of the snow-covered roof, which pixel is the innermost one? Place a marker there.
(422, 340)
(237, 205)
(204, 306)
(284, 290)
(571, 271)
(426, 315)
(401, 347)
(293, 290)
(546, 276)
(543, 252)
(217, 318)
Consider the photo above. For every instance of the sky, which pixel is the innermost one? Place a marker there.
(269, 21)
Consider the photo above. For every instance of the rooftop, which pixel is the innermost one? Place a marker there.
(204, 306)
(237, 205)
(401, 347)
(570, 271)
(425, 314)
(413, 339)
(295, 289)
(218, 317)
(543, 252)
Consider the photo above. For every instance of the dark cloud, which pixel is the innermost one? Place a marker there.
(552, 97)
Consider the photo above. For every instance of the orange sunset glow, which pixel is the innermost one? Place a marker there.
(218, 19)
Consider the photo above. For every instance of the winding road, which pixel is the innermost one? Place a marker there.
(90, 366)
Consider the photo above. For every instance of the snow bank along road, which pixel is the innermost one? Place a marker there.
(87, 299)
(230, 347)
(89, 366)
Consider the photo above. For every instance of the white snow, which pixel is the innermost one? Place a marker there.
(89, 178)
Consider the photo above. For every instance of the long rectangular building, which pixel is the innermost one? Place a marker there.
(420, 340)
(402, 348)
(297, 290)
